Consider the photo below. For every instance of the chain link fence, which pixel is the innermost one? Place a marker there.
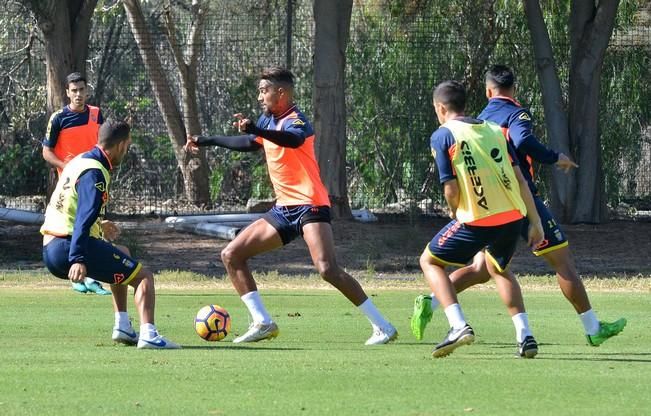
(394, 59)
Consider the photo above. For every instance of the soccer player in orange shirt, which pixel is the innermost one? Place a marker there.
(70, 132)
(302, 205)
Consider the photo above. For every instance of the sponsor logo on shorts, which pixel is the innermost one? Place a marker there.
(118, 278)
(558, 235)
(101, 186)
(449, 233)
(116, 257)
(542, 245)
(128, 263)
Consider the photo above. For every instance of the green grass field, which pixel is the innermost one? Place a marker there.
(56, 357)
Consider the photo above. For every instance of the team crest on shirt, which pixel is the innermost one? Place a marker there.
(524, 116)
(298, 122)
(101, 186)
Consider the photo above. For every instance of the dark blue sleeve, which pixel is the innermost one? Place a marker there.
(441, 142)
(100, 117)
(243, 143)
(91, 189)
(521, 134)
(53, 129)
(513, 154)
(293, 133)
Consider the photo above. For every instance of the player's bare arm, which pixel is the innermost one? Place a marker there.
(451, 193)
(241, 123)
(110, 230)
(77, 272)
(564, 163)
(536, 233)
(51, 158)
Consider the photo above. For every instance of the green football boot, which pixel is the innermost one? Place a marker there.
(422, 315)
(606, 330)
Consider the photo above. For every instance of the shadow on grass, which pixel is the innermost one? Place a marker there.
(234, 294)
(589, 355)
(239, 348)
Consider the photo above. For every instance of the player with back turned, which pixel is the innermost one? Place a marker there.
(488, 198)
(517, 125)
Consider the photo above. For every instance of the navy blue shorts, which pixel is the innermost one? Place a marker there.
(104, 261)
(554, 237)
(456, 244)
(289, 221)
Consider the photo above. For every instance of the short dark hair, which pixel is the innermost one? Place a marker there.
(75, 77)
(112, 132)
(501, 76)
(452, 94)
(278, 75)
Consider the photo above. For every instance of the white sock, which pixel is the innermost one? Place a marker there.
(256, 308)
(122, 320)
(590, 322)
(455, 316)
(373, 314)
(521, 323)
(148, 331)
(435, 302)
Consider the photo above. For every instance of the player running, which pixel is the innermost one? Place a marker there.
(302, 205)
(488, 198)
(517, 125)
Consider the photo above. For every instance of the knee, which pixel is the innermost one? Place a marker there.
(425, 260)
(144, 275)
(229, 256)
(328, 271)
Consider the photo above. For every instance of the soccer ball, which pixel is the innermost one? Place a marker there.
(212, 323)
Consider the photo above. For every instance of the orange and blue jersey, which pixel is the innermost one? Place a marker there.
(70, 133)
(517, 124)
(294, 171)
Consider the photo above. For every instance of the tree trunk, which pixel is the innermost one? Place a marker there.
(591, 27)
(554, 106)
(332, 25)
(66, 30)
(194, 168)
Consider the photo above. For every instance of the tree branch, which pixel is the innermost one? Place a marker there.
(170, 35)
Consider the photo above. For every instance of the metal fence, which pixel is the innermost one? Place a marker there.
(392, 63)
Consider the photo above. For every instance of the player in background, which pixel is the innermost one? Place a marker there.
(517, 125)
(302, 205)
(72, 131)
(73, 243)
(488, 198)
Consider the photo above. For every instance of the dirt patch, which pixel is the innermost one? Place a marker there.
(389, 248)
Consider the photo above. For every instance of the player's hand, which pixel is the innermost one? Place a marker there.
(77, 273)
(191, 144)
(241, 122)
(564, 163)
(110, 230)
(536, 235)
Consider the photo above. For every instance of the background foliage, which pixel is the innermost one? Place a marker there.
(399, 50)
